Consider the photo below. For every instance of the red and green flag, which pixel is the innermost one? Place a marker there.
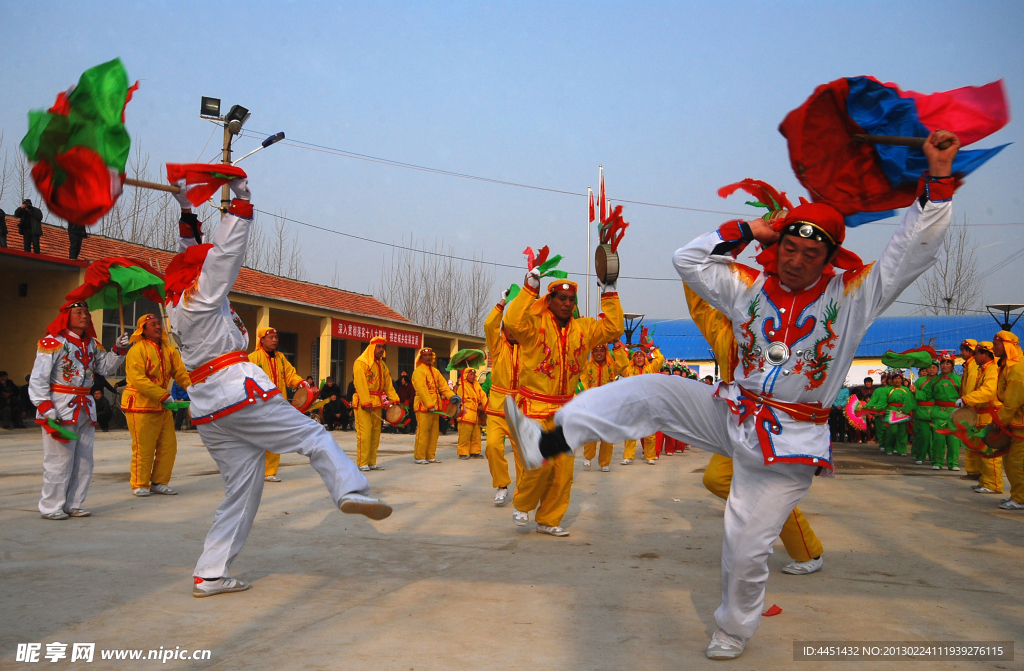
(106, 278)
(80, 145)
(202, 179)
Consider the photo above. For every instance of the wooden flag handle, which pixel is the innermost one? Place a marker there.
(898, 140)
(169, 188)
(120, 307)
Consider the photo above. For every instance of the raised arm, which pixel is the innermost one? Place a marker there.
(492, 327)
(224, 260)
(708, 264)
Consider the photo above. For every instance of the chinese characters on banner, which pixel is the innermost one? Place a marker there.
(342, 328)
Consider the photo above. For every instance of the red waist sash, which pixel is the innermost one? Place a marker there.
(556, 399)
(67, 389)
(220, 363)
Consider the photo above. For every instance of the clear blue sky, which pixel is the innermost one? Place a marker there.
(675, 99)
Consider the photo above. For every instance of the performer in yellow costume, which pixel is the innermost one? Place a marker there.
(599, 371)
(431, 389)
(553, 348)
(474, 401)
(282, 373)
(972, 462)
(151, 364)
(801, 542)
(1010, 392)
(504, 351)
(374, 391)
(984, 401)
(639, 362)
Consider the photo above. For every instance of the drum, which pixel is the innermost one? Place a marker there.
(996, 439)
(453, 409)
(964, 417)
(395, 415)
(606, 264)
(303, 399)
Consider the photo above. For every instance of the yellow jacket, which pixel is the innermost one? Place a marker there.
(372, 380)
(278, 368)
(1011, 393)
(983, 399)
(474, 400)
(149, 370)
(599, 374)
(970, 377)
(551, 358)
(504, 363)
(717, 330)
(625, 362)
(430, 387)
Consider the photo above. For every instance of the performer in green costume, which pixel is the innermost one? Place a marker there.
(945, 390)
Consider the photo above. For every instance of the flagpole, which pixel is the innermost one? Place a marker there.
(590, 199)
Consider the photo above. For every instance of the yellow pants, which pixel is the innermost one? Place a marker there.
(469, 438)
(801, 542)
(273, 461)
(497, 430)
(992, 474)
(427, 431)
(1013, 462)
(154, 447)
(367, 436)
(972, 462)
(630, 451)
(549, 486)
(605, 458)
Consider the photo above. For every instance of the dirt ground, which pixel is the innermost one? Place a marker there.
(449, 583)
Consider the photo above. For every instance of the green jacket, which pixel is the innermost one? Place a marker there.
(878, 398)
(923, 393)
(945, 388)
(901, 400)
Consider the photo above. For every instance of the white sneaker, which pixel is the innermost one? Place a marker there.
(162, 489)
(605, 469)
(626, 462)
(79, 512)
(651, 462)
(586, 463)
(433, 461)
(1006, 505)
(357, 504)
(881, 449)
(955, 468)
(375, 467)
(421, 461)
(725, 646)
(364, 469)
(918, 462)
(936, 467)
(525, 435)
(519, 517)
(984, 490)
(552, 531)
(141, 492)
(201, 588)
(59, 515)
(804, 567)
(271, 478)
(501, 496)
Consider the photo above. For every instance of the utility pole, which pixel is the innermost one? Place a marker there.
(225, 192)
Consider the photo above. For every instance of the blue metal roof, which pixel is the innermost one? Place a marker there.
(680, 338)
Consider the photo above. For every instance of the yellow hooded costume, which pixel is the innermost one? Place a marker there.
(1010, 392)
(972, 462)
(984, 400)
(597, 375)
(374, 388)
(551, 358)
(282, 373)
(801, 542)
(627, 368)
(431, 392)
(504, 381)
(149, 368)
(474, 402)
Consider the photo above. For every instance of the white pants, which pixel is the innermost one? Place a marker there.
(67, 468)
(762, 496)
(237, 443)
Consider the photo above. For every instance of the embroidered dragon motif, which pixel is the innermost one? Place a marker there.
(818, 367)
(68, 369)
(749, 340)
(238, 321)
(546, 366)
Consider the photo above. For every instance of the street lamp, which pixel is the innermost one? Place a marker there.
(1006, 309)
(633, 321)
(233, 121)
(273, 139)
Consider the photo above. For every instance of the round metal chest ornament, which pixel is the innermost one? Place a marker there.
(776, 354)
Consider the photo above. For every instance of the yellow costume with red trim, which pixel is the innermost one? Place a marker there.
(972, 462)
(1010, 392)
(801, 542)
(597, 375)
(653, 362)
(551, 359)
(504, 381)
(149, 368)
(474, 402)
(282, 373)
(432, 394)
(373, 385)
(985, 402)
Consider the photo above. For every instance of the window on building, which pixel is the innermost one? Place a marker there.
(288, 345)
(338, 361)
(406, 360)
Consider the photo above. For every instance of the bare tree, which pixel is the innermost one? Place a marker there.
(953, 285)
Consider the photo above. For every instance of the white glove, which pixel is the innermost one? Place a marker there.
(51, 413)
(533, 279)
(182, 195)
(305, 385)
(240, 187)
(504, 294)
(123, 341)
(606, 288)
(960, 403)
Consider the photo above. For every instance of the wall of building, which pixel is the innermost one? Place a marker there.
(25, 318)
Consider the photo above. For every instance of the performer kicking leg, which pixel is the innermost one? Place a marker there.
(812, 296)
(237, 409)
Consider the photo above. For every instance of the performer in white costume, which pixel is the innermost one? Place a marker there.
(797, 323)
(237, 409)
(61, 389)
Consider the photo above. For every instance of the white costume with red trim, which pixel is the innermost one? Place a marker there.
(60, 387)
(776, 432)
(238, 410)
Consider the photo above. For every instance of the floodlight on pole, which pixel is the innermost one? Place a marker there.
(1007, 309)
(209, 108)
